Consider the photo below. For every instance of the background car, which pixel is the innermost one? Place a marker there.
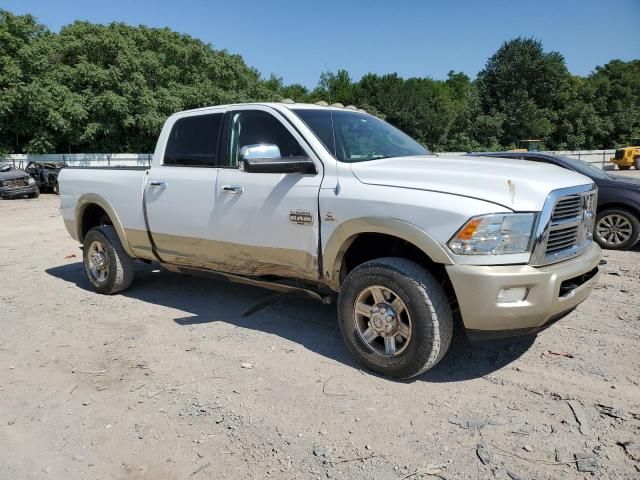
(45, 174)
(618, 218)
(16, 183)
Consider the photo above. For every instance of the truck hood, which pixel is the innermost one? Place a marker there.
(516, 184)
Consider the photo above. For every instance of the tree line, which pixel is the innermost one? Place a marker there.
(109, 88)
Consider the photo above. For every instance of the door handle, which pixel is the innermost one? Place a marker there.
(158, 184)
(235, 189)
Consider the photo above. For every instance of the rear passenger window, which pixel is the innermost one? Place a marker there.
(193, 141)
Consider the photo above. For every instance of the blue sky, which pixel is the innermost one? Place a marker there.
(298, 40)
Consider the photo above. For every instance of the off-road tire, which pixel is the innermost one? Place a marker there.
(631, 218)
(426, 303)
(121, 265)
(637, 164)
(624, 167)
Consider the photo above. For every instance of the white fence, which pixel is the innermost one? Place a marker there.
(83, 159)
(595, 157)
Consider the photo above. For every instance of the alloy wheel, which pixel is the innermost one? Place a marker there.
(98, 262)
(382, 320)
(613, 230)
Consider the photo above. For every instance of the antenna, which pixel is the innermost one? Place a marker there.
(336, 189)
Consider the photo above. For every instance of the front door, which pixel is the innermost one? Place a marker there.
(267, 223)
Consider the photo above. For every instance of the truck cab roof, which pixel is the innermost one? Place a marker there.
(276, 105)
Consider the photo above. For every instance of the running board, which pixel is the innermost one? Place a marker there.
(256, 282)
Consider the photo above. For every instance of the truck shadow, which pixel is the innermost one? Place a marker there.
(300, 320)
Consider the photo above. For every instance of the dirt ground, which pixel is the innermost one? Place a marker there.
(170, 381)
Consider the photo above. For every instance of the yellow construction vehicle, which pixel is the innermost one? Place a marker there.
(528, 146)
(628, 157)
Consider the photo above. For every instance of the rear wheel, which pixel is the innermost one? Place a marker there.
(106, 264)
(395, 317)
(624, 167)
(637, 164)
(616, 229)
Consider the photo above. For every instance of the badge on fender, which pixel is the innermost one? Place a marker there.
(301, 217)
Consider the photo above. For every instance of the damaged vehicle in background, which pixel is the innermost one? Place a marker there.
(16, 183)
(45, 174)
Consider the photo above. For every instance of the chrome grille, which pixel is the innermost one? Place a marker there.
(566, 225)
(568, 207)
(562, 238)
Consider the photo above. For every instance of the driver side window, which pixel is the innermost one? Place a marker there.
(255, 127)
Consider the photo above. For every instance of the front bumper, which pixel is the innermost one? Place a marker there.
(9, 192)
(553, 291)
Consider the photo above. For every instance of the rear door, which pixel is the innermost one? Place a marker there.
(267, 222)
(180, 193)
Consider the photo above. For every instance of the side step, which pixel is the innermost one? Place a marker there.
(256, 282)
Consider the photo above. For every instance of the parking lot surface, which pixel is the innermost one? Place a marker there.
(170, 380)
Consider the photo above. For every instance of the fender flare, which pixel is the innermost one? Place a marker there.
(344, 235)
(94, 199)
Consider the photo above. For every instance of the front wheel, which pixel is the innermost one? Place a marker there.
(106, 264)
(624, 167)
(616, 229)
(395, 317)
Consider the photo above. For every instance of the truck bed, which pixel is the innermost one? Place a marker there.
(120, 188)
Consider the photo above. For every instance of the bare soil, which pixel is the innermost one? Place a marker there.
(169, 380)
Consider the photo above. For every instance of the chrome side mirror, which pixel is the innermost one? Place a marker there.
(266, 158)
(263, 150)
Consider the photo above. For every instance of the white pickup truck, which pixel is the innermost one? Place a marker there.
(330, 201)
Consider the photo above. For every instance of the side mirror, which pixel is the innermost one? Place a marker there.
(264, 150)
(266, 158)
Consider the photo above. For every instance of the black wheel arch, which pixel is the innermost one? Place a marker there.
(618, 205)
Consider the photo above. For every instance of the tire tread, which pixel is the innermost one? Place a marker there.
(123, 265)
(433, 297)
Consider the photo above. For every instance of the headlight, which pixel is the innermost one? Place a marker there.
(31, 181)
(495, 234)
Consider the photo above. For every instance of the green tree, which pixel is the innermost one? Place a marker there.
(613, 92)
(525, 87)
(21, 59)
(109, 88)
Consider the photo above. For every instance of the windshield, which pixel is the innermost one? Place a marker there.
(586, 168)
(358, 137)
